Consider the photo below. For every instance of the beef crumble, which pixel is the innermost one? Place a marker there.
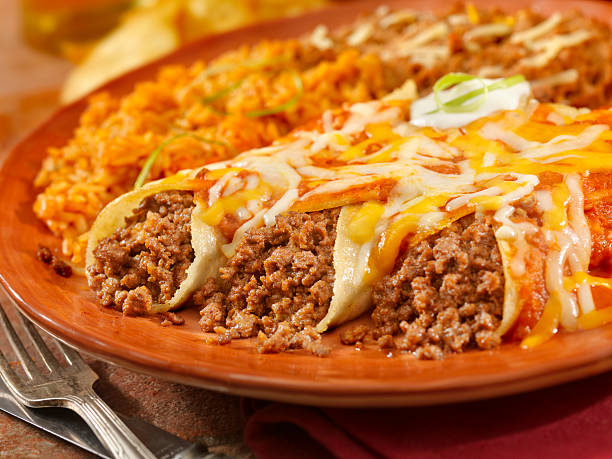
(170, 318)
(59, 266)
(145, 261)
(445, 294)
(277, 286)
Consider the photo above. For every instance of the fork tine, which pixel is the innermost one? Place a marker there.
(45, 353)
(26, 361)
(72, 356)
(10, 378)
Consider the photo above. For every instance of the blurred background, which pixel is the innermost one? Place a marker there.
(54, 51)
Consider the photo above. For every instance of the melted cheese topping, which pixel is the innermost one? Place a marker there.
(537, 31)
(360, 34)
(428, 39)
(548, 48)
(495, 29)
(320, 38)
(418, 47)
(404, 183)
(402, 16)
(566, 77)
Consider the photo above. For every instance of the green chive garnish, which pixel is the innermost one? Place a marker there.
(458, 104)
(284, 106)
(223, 92)
(146, 168)
(256, 113)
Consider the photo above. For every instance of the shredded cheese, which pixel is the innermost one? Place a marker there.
(398, 17)
(595, 319)
(566, 77)
(360, 34)
(411, 46)
(535, 32)
(320, 38)
(548, 48)
(472, 13)
(404, 182)
(495, 29)
(363, 224)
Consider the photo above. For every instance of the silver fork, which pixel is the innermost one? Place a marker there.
(69, 386)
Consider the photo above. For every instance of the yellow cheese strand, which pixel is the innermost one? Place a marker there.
(472, 13)
(547, 326)
(362, 226)
(218, 173)
(573, 282)
(379, 134)
(542, 132)
(384, 256)
(230, 204)
(595, 318)
(555, 219)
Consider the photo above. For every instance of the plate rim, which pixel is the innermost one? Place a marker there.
(260, 386)
(349, 398)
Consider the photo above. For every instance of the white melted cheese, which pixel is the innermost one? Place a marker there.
(437, 176)
(537, 31)
(425, 112)
(214, 193)
(320, 38)
(546, 152)
(496, 29)
(548, 48)
(580, 256)
(565, 77)
(281, 206)
(403, 16)
(360, 34)
(414, 46)
(490, 71)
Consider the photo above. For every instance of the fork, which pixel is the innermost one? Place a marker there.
(69, 386)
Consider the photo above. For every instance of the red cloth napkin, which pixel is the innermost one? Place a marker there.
(569, 421)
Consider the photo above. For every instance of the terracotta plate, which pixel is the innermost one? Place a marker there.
(348, 377)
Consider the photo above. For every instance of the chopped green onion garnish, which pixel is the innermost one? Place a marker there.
(146, 168)
(457, 105)
(250, 64)
(217, 111)
(284, 106)
(452, 107)
(257, 113)
(223, 92)
(502, 84)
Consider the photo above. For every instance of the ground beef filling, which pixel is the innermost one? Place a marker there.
(60, 267)
(146, 261)
(444, 296)
(277, 286)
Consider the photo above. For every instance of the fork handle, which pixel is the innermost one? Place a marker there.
(107, 426)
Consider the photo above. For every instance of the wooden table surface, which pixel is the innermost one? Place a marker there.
(29, 88)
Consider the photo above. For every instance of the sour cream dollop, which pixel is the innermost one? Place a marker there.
(424, 111)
